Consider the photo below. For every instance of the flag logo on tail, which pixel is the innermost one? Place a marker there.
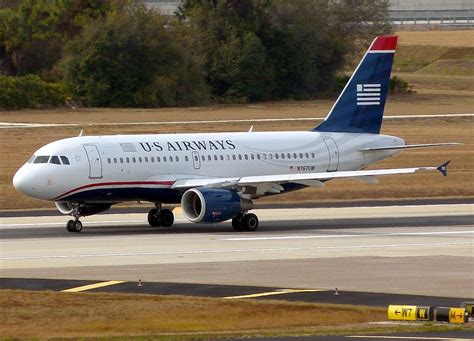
(368, 94)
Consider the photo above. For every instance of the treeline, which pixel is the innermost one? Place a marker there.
(119, 53)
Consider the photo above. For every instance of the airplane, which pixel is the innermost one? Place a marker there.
(217, 176)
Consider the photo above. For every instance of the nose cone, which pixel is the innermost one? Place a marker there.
(24, 182)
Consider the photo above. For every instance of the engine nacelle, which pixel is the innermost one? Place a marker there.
(210, 205)
(84, 209)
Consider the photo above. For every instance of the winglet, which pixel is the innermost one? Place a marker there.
(444, 168)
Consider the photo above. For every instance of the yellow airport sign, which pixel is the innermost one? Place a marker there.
(402, 312)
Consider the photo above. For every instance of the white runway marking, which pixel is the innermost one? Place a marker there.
(349, 235)
(247, 250)
(11, 125)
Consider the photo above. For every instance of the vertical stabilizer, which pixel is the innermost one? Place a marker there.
(360, 106)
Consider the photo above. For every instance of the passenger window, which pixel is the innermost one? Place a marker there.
(41, 159)
(246, 157)
(127, 159)
(121, 160)
(301, 155)
(158, 159)
(307, 155)
(152, 159)
(282, 155)
(240, 157)
(313, 156)
(258, 156)
(203, 158)
(140, 159)
(233, 157)
(177, 159)
(264, 156)
(276, 156)
(55, 159)
(164, 158)
(209, 157)
(146, 158)
(294, 156)
(134, 160)
(115, 160)
(222, 157)
(252, 156)
(171, 159)
(228, 157)
(288, 155)
(270, 156)
(108, 160)
(186, 159)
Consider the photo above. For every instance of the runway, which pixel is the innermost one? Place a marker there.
(420, 250)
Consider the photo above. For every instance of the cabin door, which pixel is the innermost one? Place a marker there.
(333, 152)
(95, 162)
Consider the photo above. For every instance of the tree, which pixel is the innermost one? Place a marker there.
(132, 59)
(275, 49)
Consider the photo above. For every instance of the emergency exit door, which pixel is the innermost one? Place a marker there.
(95, 162)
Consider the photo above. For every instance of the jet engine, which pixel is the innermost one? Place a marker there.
(210, 205)
(84, 209)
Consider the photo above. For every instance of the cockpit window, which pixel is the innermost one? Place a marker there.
(31, 158)
(41, 159)
(65, 160)
(55, 160)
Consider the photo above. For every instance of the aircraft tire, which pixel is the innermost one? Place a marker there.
(77, 226)
(250, 222)
(69, 226)
(154, 218)
(237, 223)
(166, 217)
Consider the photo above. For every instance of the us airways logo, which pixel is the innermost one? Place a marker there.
(368, 94)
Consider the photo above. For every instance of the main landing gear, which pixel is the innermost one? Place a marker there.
(160, 217)
(245, 222)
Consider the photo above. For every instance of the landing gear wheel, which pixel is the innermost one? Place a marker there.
(237, 223)
(154, 218)
(70, 226)
(77, 226)
(166, 217)
(250, 222)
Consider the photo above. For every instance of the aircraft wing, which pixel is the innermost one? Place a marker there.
(272, 183)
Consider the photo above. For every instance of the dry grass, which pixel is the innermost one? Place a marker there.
(18, 145)
(50, 314)
(455, 38)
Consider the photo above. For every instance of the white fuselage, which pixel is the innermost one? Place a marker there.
(144, 167)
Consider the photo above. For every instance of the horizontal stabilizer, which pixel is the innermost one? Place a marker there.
(409, 146)
(444, 168)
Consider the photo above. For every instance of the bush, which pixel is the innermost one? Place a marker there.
(29, 92)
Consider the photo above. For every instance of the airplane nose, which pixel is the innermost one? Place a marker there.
(23, 182)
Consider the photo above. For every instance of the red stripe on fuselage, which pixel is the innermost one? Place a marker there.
(121, 183)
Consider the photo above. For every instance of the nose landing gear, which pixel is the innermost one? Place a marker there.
(74, 225)
(160, 217)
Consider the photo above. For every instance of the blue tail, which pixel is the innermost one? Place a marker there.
(360, 106)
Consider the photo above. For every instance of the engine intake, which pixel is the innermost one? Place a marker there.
(84, 209)
(210, 205)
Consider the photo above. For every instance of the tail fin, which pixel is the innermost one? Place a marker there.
(359, 108)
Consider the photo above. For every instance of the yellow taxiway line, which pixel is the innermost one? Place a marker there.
(93, 286)
(272, 293)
